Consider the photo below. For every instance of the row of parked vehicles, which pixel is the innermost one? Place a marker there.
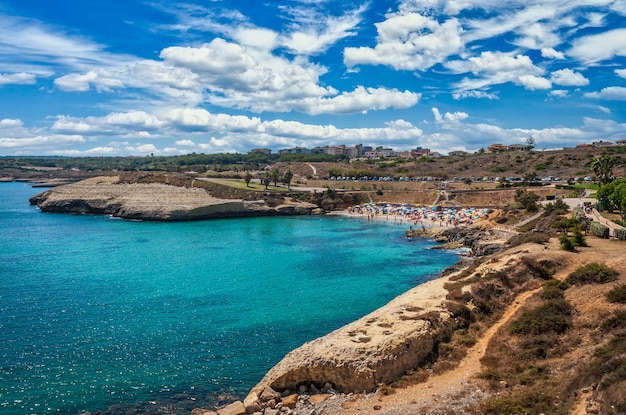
(512, 179)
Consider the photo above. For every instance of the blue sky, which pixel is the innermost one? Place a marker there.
(134, 77)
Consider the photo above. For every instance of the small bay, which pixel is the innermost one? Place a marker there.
(97, 312)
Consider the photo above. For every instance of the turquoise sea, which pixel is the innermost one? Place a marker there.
(105, 316)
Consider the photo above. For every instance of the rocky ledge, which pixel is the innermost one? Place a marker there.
(376, 349)
(156, 201)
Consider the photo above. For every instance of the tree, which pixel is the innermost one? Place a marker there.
(467, 181)
(603, 168)
(266, 179)
(287, 178)
(530, 177)
(275, 176)
(530, 142)
(613, 196)
(247, 178)
(528, 200)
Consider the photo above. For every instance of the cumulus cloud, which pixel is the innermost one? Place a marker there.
(621, 73)
(21, 78)
(10, 123)
(567, 77)
(559, 93)
(448, 118)
(360, 100)
(615, 93)
(185, 143)
(492, 68)
(550, 53)
(534, 82)
(409, 41)
(595, 48)
(100, 79)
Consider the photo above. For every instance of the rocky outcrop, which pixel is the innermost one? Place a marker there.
(155, 201)
(376, 349)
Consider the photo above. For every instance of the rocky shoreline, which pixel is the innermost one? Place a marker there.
(358, 358)
(157, 202)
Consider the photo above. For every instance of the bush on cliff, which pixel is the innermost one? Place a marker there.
(593, 273)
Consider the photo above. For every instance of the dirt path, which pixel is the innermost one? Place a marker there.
(444, 387)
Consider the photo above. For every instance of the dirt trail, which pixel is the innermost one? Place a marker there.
(438, 388)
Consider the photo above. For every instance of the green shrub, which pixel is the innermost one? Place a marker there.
(616, 322)
(526, 237)
(567, 244)
(553, 289)
(599, 230)
(592, 273)
(578, 239)
(533, 401)
(617, 295)
(554, 316)
(620, 234)
(578, 213)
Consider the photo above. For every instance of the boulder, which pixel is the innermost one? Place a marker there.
(290, 401)
(235, 408)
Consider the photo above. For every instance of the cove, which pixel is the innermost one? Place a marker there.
(98, 314)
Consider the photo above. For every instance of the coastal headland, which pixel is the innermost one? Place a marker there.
(506, 331)
(154, 197)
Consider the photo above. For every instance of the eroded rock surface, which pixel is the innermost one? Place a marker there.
(376, 349)
(154, 201)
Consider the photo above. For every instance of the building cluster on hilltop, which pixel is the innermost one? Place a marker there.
(369, 152)
(358, 151)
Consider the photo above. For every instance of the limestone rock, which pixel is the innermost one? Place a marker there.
(235, 408)
(269, 394)
(252, 404)
(400, 336)
(290, 401)
(154, 201)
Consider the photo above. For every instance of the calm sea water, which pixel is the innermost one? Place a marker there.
(105, 315)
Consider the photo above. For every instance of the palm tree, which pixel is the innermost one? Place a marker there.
(275, 176)
(266, 179)
(287, 178)
(603, 168)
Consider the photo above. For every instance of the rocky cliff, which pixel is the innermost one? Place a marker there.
(376, 349)
(156, 201)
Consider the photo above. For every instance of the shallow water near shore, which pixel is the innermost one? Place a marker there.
(105, 315)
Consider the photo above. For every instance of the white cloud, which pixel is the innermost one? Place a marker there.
(550, 53)
(559, 93)
(621, 73)
(448, 118)
(10, 123)
(360, 100)
(492, 68)
(217, 57)
(595, 48)
(313, 31)
(185, 143)
(40, 141)
(409, 41)
(474, 94)
(604, 109)
(21, 78)
(134, 122)
(534, 82)
(616, 93)
(100, 79)
(567, 77)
